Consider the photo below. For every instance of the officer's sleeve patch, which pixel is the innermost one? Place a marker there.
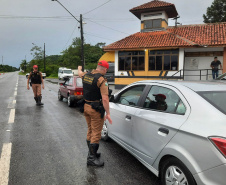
(88, 79)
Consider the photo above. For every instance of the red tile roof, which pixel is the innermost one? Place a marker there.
(181, 36)
(153, 6)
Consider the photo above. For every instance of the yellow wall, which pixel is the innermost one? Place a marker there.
(109, 56)
(164, 24)
(142, 26)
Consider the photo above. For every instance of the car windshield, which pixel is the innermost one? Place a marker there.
(79, 82)
(68, 71)
(216, 98)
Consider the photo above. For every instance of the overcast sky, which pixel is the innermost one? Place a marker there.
(23, 22)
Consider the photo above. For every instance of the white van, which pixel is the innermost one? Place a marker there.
(63, 72)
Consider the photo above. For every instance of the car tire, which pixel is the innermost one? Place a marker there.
(70, 103)
(104, 132)
(60, 97)
(173, 170)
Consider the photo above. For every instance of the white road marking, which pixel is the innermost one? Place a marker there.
(5, 163)
(11, 116)
(15, 93)
(12, 103)
(16, 89)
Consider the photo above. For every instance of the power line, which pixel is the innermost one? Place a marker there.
(98, 36)
(109, 27)
(97, 7)
(71, 35)
(63, 18)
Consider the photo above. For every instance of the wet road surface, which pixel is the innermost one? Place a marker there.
(48, 144)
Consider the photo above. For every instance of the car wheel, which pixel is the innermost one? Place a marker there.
(60, 97)
(173, 171)
(70, 103)
(104, 132)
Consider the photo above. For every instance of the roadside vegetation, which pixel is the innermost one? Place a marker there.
(70, 58)
(7, 68)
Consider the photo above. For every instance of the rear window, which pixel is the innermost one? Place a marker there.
(216, 98)
(79, 82)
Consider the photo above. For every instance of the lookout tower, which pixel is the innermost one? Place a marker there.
(154, 15)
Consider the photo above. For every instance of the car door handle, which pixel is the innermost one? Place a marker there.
(128, 118)
(164, 131)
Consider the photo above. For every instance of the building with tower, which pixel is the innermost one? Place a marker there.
(160, 51)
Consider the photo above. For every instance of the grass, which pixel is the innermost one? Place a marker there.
(51, 77)
(21, 73)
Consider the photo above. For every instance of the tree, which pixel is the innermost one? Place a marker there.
(216, 12)
(23, 65)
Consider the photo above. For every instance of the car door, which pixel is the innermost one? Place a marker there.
(64, 88)
(122, 112)
(154, 126)
(70, 87)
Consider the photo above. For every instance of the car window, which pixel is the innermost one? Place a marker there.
(79, 82)
(70, 82)
(68, 71)
(67, 82)
(162, 99)
(216, 98)
(181, 109)
(131, 96)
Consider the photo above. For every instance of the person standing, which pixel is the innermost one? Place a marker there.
(36, 81)
(95, 94)
(214, 65)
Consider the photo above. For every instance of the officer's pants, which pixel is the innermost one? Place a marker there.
(94, 123)
(36, 89)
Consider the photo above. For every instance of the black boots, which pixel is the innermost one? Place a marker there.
(98, 154)
(39, 98)
(92, 159)
(36, 99)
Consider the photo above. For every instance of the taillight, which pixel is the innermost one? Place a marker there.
(220, 143)
(78, 93)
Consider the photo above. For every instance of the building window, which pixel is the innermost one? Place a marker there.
(131, 60)
(164, 60)
(155, 23)
(152, 15)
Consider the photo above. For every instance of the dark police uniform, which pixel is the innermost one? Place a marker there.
(94, 86)
(36, 81)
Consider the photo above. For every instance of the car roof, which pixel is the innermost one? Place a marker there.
(193, 85)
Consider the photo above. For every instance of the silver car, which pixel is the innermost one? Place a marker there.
(176, 129)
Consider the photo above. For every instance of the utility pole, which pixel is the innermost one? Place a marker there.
(81, 30)
(82, 43)
(44, 58)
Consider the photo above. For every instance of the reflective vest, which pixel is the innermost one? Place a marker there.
(35, 77)
(91, 91)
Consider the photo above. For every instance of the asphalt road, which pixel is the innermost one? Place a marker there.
(47, 145)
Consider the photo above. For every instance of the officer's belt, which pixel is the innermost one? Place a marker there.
(90, 103)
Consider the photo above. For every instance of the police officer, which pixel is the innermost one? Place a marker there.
(95, 92)
(36, 81)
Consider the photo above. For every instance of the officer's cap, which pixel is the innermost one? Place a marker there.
(104, 64)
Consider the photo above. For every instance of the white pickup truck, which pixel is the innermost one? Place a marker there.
(43, 75)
